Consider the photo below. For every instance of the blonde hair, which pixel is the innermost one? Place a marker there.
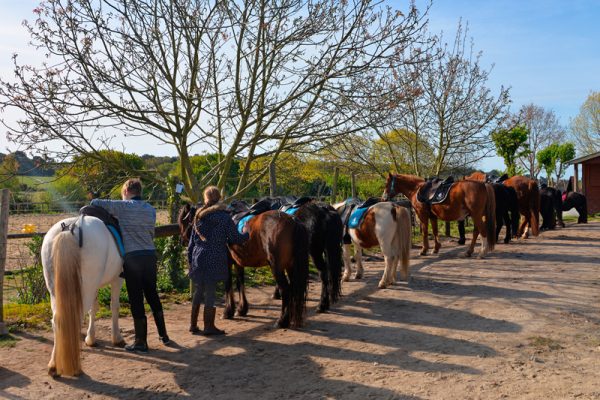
(132, 186)
(211, 195)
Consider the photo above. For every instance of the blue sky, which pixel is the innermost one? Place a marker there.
(547, 51)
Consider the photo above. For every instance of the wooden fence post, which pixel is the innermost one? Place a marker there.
(353, 183)
(336, 173)
(272, 180)
(4, 205)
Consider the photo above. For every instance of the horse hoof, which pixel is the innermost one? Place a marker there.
(282, 325)
(467, 255)
(381, 285)
(423, 253)
(52, 372)
(90, 343)
(321, 309)
(227, 315)
(358, 276)
(119, 344)
(460, 241)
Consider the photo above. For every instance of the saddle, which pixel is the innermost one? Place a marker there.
(112, 224)
(496, 179)
(242, 213)
(292, 207)
(435, 190)
(359, 212)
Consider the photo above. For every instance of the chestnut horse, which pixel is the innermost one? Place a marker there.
(507, 209)
(528, 195)
(388, 226)
(475, 199)
(278, 241)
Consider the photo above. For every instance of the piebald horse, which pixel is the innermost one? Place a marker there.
(77, 261)
(465, 198)
(385, 225)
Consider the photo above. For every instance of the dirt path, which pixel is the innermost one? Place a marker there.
(523, 323)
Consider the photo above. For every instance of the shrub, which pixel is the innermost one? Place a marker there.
(31, 286)
(104, 295)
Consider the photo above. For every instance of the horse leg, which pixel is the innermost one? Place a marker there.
(284, 287)
(524, 228)
(508, 235)
(242, 308)
(436, 237)
(321, 265)
(228, 310)
(358, 254)
(90, 338)
(461, 232)
(347, 262)
(276, 295)
(52, 363)
(115, 291)
(471, 248)
(385, 279)
(425, 234)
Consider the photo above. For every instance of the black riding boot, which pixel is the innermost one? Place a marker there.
(141, 332)
(159, 320)
(194, 319)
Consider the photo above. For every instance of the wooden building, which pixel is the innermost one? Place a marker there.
(590, 179)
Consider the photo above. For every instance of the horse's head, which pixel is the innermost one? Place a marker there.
(391, 189)
(185, 220)
(238, 206)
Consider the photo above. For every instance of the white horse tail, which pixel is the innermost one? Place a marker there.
(68, 303)
(404, 237)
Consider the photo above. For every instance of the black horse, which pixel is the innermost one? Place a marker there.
(551, 207)
(577, 200)
(507, 213)
(325, 231)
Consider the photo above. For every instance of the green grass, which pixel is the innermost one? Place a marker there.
(37, 182)
(27, 316)
(8, 341)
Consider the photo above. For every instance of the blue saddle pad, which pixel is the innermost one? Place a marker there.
(243, 222)
(292, 210)
(356, 217)
(118, 239)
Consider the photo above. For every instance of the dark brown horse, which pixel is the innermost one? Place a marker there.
(471, 198)
(507, 208)
(528, 195)
(281, 243)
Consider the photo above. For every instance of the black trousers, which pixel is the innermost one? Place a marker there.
(140, 277)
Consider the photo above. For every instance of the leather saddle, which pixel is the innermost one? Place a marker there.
(112, 224)
(435, 190)
(290, 207)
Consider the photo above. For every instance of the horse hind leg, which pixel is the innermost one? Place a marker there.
(115, 291)
(284, 318)
(228, 310)
(358, 255)
(347, 262)
(385, 278)
(90, 338)
(242, 308)
(321, 265)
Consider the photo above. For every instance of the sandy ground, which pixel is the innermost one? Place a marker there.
(523, 323)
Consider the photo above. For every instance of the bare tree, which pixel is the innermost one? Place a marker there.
(246, 80)
(463, 110)
(585, 127)
(543, 129)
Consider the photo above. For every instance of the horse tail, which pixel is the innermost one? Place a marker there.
(404, 232)
(534, 207)
(68, 303)
(490, 217)
(333, 250)
(299, 275)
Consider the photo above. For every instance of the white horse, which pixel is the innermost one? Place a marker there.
(73, 276)
(385, 225)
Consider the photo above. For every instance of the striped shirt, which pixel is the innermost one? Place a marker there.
(137, 220)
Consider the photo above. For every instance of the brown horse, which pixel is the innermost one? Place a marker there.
(281, 243)
(528, 195)
(471, 198)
